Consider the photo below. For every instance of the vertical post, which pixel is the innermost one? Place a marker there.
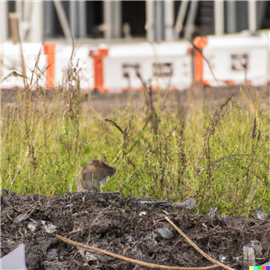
(219, 17)
(14, 27)
(231, 17)
(49, 50)
(150, 20)
(3, 21)
(73, 19)
(36, 27)
(48, 19)
(3, 34)
(98, 56)
(18, 10)
(200, 43)
(107, 11)
(82, 18)
(191, 19)
(180, 18)
(159, 20)
(116, 19)
(252, 16)
(169, 19)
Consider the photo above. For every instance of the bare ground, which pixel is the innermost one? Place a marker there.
(106, 103)
(109, 223)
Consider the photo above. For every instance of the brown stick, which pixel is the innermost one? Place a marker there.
(151, 265)
(197, 248)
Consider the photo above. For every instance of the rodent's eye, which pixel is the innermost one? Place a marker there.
(95, 161)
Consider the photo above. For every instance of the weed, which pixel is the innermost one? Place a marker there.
(218, 156)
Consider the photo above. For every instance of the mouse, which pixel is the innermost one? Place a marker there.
(96, 174)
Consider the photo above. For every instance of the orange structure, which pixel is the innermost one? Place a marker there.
(49, 50)
(200, 43)
(98, 56)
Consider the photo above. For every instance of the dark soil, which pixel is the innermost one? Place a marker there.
(119, 226)
(106, 103)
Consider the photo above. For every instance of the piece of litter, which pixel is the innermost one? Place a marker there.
(14, 260)
(21, 217)
(165, 233)
(222, 258)
(32, 226)
(50, 228)
(261, 214)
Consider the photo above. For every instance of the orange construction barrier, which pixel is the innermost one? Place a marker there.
(98, 56)
(200, 43)
(49, 50)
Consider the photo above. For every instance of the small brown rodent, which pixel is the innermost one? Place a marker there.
(96, 173)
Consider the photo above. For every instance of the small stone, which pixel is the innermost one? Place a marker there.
(256, 245)
(248, 256)
(165, 233)
(52, 254)
(149, 240)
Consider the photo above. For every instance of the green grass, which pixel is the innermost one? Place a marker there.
(218, 156)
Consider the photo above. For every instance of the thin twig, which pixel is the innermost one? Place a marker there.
(151, 265)
(13, 180)
(123, 132)
(114, 124)
(197, 248)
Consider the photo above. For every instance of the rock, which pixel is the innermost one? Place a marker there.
(188, 204)
(256, 245)
(248, 256)
(87, 256)
(52, 254)
(165, 233)
(150, 240)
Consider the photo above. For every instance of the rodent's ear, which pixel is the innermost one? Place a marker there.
(104, 158)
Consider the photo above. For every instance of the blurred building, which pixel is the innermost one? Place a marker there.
(131, 20)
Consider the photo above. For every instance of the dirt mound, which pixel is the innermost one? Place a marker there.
(124, 227)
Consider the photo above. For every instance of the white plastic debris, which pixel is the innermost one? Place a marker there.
(21, 217)
(261, 214)
(42, 222)
(50, 228)
(266, 264)
(14, 260)
(142, 214)
(32, 226)
(222, 258)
